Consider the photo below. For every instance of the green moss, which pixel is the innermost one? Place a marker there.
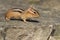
(57, 32)
(34, 2)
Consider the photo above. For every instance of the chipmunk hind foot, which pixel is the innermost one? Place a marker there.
(7, 19)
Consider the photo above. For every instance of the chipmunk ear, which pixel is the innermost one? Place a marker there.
(30, 8)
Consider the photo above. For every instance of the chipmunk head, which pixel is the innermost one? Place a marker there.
(33, 12)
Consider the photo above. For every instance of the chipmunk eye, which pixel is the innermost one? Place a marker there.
(34, 12)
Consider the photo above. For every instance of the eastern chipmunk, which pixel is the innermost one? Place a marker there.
(29, 13)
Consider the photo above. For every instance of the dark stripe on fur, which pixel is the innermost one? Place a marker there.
(18, 8)
(18, 11)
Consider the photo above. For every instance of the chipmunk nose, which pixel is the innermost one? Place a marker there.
(38, 16)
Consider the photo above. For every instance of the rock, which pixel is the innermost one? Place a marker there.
(43, 34)
(13, 33)
(1, 38)
(28, 33)
(52, 38)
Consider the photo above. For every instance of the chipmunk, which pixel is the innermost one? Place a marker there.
(29, 13)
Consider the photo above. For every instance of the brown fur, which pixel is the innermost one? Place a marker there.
(12, 14)
(29, 13)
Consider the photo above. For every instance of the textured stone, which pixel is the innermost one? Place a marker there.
(1, 38)
(28, 33)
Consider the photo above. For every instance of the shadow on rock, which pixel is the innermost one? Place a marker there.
(29, 20)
